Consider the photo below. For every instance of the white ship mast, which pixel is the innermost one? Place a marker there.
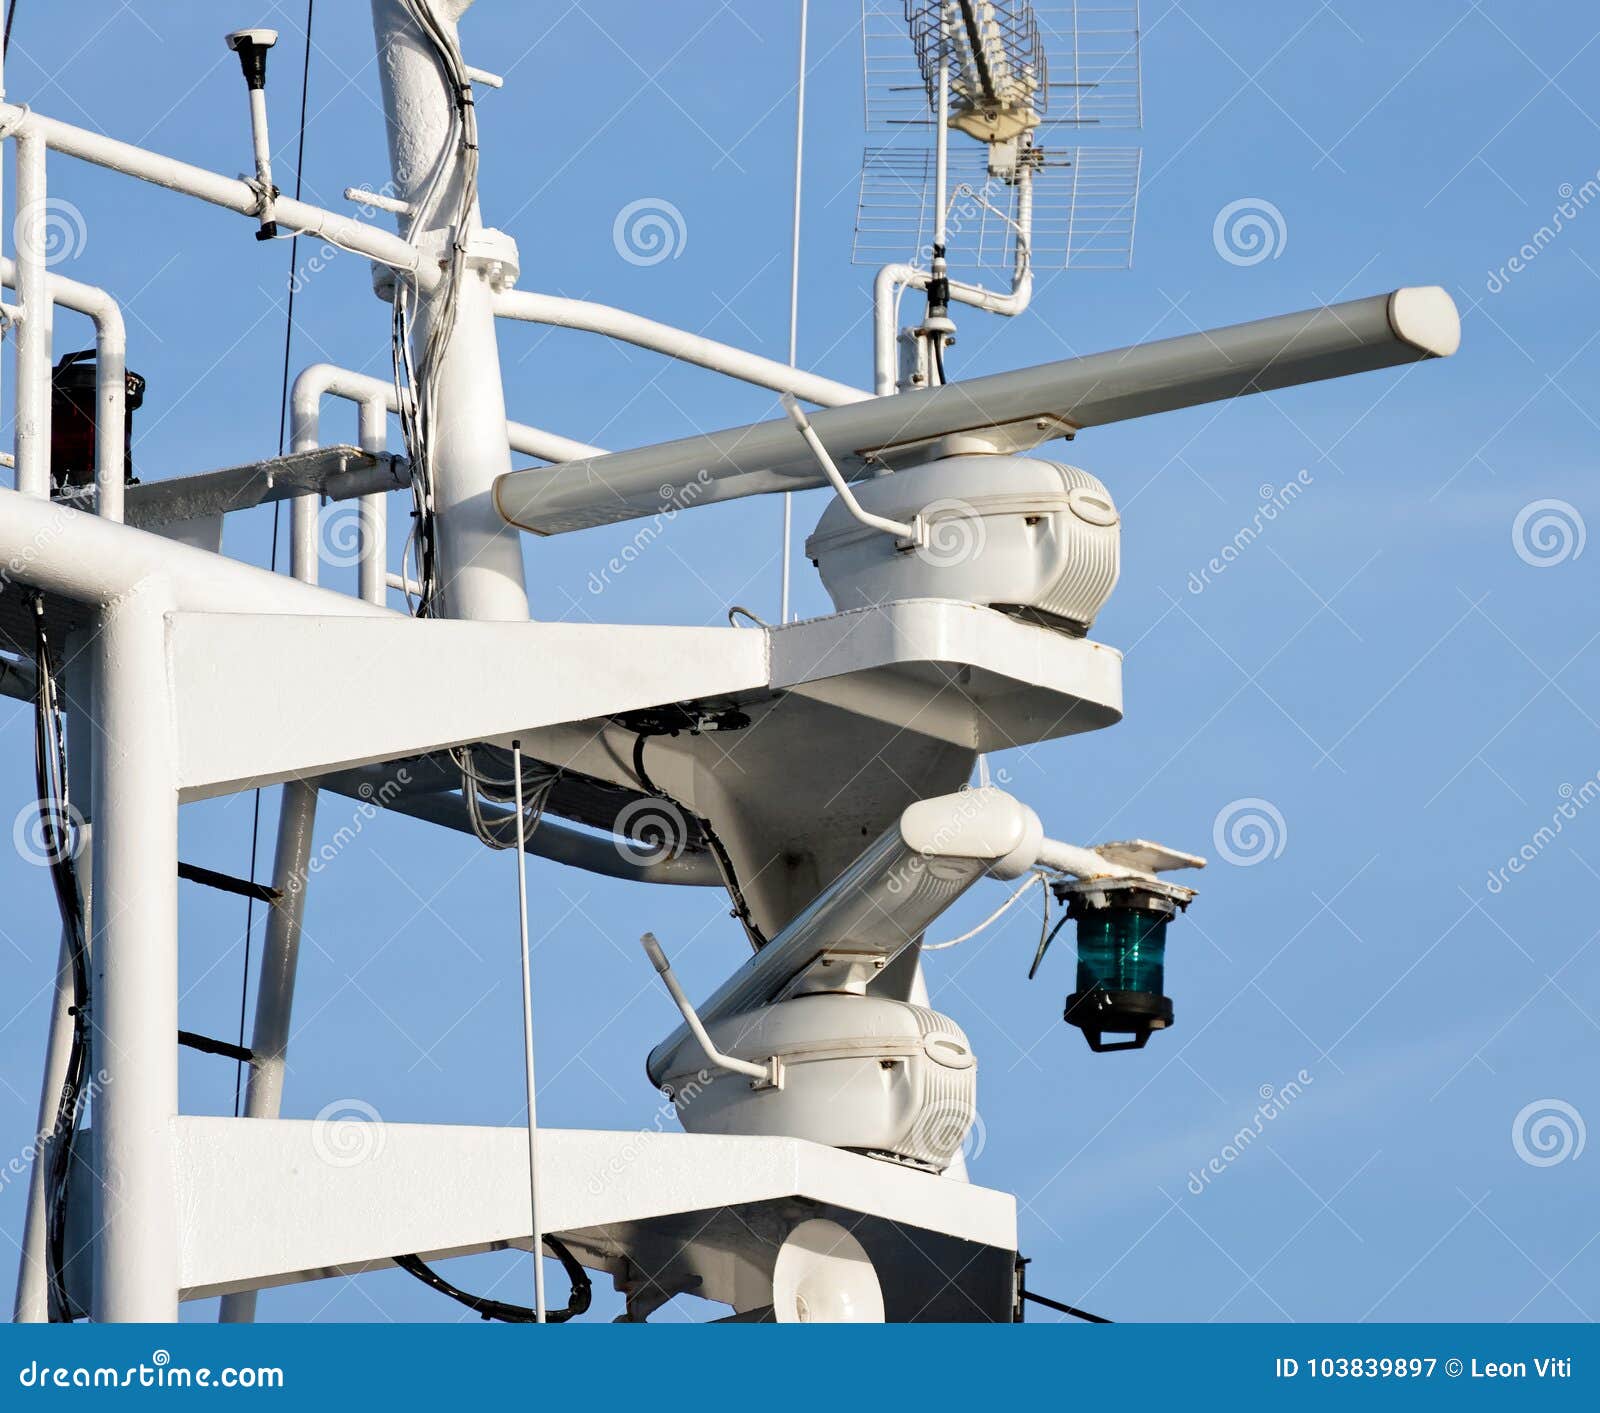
(814, 770)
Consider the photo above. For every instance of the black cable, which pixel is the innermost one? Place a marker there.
(938, 356)
(50, 775)
(1066, 1309)
(11, 15)
(1045, 941)
(730, 879)
(577, 1303)
(277, 517)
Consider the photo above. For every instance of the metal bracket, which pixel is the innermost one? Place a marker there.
(336, 472)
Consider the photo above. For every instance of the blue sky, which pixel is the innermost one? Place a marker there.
(1403, 666)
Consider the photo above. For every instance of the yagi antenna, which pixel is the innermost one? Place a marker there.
(1026, 81)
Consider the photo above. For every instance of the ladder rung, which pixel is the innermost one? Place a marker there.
(227, 883)
(206, 1045)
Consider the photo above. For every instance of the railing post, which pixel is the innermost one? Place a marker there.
(34, 332)
(134, 1005)
(375, 508)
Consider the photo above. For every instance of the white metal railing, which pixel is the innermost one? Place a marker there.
(39, 291)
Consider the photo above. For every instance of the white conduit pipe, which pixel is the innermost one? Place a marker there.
(1083, 863)
(374, 432)
(227, 192)
(110, 380)
(891, 279)
(377, 398)
(34, 333)
(619, 324)
(326, 380)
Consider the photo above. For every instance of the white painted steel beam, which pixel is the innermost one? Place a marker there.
(329, 1198)
(383, 688)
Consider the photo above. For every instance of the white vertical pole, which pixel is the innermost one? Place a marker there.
(2, 164)
(527, 1046)
(280, 960)
(480, 554)
(941, 162)
(2, 184)
(34, 333)
(33, 1284)
(794, 286)
(110, 412)
(260, 141)
(134, 1024)
(304, 523)
(374, 508)
(291, 877)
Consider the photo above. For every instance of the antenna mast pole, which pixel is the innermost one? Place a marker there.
(480, 555)
(794, 282)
